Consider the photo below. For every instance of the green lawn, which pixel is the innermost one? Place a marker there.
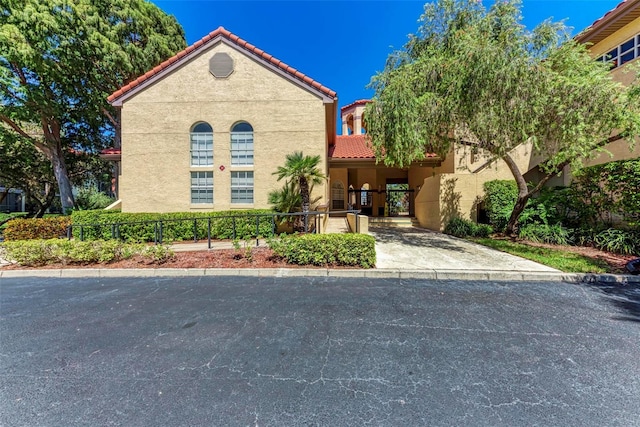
(564, 261)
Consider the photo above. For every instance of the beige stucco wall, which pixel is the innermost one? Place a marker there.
(156, 124)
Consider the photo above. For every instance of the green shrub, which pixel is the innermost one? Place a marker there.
(500, 198)
(555, 234)
(326, 249)
(90, 198)
(618, 241)
(42, 252)
(144, 227)
(602, 192)
(37, 228)
(460, 227)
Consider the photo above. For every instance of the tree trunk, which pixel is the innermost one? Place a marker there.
(304, 194)
(523, 195)
(62, 177)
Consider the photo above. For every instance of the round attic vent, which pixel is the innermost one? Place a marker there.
(221, 65)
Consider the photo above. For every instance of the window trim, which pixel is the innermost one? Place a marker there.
(616, 60)
(201, 188)
(203, 154)
(242, 153)
(243, 186)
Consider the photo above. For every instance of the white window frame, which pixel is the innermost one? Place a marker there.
(201, 147)
(242, 148)
(201, 187)
(616, 60)
(242, 184)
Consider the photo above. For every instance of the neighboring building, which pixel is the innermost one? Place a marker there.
(11, 200)
(616, 38)
(206, 129)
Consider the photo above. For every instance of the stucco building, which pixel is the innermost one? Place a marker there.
(206, 129)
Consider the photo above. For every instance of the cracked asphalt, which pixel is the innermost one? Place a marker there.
(234, 351)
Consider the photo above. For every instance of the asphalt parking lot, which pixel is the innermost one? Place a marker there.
(324, 351)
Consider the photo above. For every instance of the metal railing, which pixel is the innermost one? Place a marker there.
(203, 227)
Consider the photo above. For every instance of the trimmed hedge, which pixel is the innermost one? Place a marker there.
(42, 252)
(327, 249)
(141, 227)
(37, 228)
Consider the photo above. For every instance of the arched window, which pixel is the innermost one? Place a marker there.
(202, 144)
(350, 128)
(242, 144)
(337, 195)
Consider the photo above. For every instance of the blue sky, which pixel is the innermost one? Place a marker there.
(342, 44)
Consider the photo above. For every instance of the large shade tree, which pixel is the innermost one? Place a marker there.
(60, 59)
(478, 77)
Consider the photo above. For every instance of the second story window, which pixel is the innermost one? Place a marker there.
(242, 144)
(202, 144)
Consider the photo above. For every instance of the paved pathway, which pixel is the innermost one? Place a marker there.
(418, 249)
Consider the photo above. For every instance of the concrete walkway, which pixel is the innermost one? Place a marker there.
(418, 249)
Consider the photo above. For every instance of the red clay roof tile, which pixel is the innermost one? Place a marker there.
(233, 38)
(355, 147)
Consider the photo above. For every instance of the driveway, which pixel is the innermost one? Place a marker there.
(417, 249)
(203, 351)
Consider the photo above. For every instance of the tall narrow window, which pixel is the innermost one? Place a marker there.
(242, 187)
(242, 144)
(202, 145)
(337, 195)
(202, 187)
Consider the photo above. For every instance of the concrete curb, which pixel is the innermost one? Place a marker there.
(430, 274)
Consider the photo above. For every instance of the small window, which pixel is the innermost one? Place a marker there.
(627, 45)
(242, 144)
(627, 57)
(202, 187)
(202, 145)
(337, 195)
(242, 187)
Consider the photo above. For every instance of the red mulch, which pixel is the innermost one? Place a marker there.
(219, 258)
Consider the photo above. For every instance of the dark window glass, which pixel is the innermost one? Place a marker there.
(626, 46)
(613, 54)
(202, 127)
(627, 57)
(242, 127)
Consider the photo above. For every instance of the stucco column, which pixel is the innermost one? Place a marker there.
(357, 125)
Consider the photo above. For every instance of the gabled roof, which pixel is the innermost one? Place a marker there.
(358, 102)
(209, 40)
(612, 21)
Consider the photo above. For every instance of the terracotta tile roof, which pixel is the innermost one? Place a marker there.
(351, 147)
(601, 23)
(222, 32)
(110, 151)
(358, 102)
(356, 147)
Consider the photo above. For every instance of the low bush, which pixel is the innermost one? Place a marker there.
(37, 228)
(460, 227)
(326, 249)
(618, 241)
(144, 227)
(42, 252)
(500, 198)
(555, 234)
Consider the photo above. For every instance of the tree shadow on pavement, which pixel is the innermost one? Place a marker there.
(624, 297)
(416, 238)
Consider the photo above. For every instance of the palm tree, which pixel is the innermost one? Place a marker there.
(304, 171)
